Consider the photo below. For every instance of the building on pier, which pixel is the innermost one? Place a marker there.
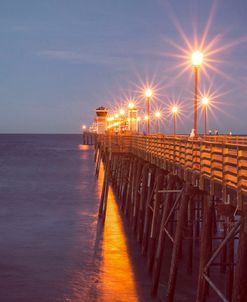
(101, 120)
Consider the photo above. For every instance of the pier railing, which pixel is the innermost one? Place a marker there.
(221, 159)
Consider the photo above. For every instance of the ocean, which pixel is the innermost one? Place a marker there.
(52, 245)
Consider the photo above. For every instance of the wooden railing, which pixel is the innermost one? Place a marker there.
(222, 159)
(224, 162)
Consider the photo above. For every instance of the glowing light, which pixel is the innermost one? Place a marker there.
(146, 117)
(148, 93)
(113, 125)
(83, 147)
(174, 109)
(197, 58)
(204, 49)
(138, 118)
(110, 118)
(84, 127)
(205, 101)
(157, 114)
(122, 112)
(116, 115)
(116, 257)
(131, 105)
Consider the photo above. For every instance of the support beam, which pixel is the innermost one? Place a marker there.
(204, 244)
(240, 283)
(181, 223)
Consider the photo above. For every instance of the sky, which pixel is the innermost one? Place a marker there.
(61, 59)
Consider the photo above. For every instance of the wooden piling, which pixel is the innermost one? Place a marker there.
(129, 186)
(147, 215)
(204, 245)
(136, 195)
(181, 223)
(154, 219)
(161, 236)
(142, 203)
(98, 161)
(240, 282)
(105, 189)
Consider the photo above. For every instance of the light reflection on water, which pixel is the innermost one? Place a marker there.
(83, 147)
(117, 277)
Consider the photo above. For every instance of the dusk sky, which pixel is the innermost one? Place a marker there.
(61, 59)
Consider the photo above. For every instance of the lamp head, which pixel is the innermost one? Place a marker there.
(197, 58)
(148, 93)
(121, 112)
(174, 109)
(205, 101)
(157, 114)
(131, 105)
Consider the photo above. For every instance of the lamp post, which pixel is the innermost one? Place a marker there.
(205, 102)
(157, 115)
(148, 93)
(174, 112)
(146, 119)
(131, 106)
(196, 59)
(138, 123)
(121, 119)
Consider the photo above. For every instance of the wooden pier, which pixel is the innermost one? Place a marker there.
(190, 194)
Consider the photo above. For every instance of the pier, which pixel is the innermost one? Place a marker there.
(185, 201)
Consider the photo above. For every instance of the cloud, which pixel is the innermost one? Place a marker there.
(111, 55)
(79, 57)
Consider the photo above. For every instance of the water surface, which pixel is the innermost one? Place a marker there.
(52, 246)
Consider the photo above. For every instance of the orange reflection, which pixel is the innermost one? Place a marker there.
(83, 147)
(118, 282)
(100, 180)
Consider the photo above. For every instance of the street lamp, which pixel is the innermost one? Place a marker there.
(196, 59)
(145, 120)
(148, 93)
(174, 112)
(122, 112)
(157, 115)
(131, 105)
(205, 102)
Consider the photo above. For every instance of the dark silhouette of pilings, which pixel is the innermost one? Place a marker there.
(88, 138)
